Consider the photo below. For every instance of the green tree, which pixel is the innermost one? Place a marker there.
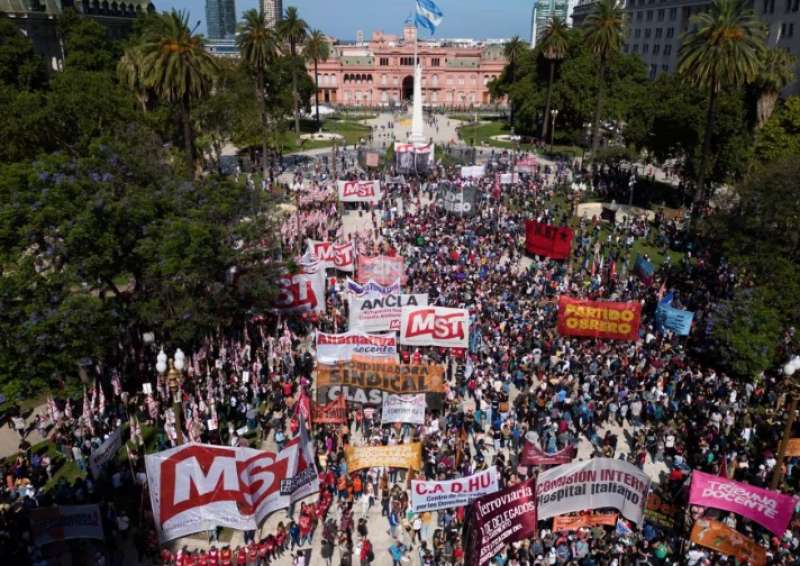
(514, 50)
(257, 44)
(779, 138)
(20, 67)
(130, 72)
(178, 69)
(554, 46)
(722, 49)
(604, 31)
(293, 30)
(317, 49)
(87, 45)
(777, 70)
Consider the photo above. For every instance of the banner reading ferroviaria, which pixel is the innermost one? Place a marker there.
(598, 319)
(396, 456)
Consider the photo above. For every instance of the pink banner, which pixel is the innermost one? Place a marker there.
(532, 455)
(382, 269)
(770, 509)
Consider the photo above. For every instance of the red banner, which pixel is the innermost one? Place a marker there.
(598, 319)
(532, 455)
(546, 240)
(382, 269)
(334, 412)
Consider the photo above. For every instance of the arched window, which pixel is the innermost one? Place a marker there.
(435, 80)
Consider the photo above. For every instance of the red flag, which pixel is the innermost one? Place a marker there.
(723, 468)
(304, 405)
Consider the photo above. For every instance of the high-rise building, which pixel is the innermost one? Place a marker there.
(360, 36)
(221, 18)
(543, 12)
(273, 12)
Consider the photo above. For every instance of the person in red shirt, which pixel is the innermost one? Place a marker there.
(366, 555)
(241, 556)
(202, 559)
(226, 556)
(262, 553)
(166, 557)
(252, 554)
(213, 556)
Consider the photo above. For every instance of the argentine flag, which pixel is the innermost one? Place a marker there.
(429, 15)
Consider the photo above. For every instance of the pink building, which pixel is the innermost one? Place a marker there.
(380, 72)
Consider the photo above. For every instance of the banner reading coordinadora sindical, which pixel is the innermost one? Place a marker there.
(593, 484)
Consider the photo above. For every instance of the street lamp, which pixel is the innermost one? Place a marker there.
(174, 377)
(789, 370)
(553, 116)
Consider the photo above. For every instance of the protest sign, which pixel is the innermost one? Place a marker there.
(194, 487)
(461, 201)
(372, 288)
(65, 522)
(644, 269)
(592, 484)
(770, 509)
(498, 519)
(669, 318)
(434, 495)
(359, 191)
(106, 452)
(396, 456)
(598, 319)
(414, 157)
(793, 447)
(382, 269)
(473, 171)
(661, 511)
(434, 326)
(381, 313)
(545, 240)
(334, 255)
(341, 347)
(584, 520)
(725, 540)
(363, 380)
(403, 409)
(301, 292)
(334, 412)
(532, 455)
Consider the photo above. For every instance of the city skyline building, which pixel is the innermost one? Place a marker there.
(543, 11)
(273, 12)
(221, 19)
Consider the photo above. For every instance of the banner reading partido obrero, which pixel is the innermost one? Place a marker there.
(593, 484)
(433, 495)
(598, 319)
(496, 520)
(770, 509)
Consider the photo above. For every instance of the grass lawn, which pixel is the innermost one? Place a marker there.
(351, 130)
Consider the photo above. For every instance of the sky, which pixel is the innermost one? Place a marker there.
(477, 19)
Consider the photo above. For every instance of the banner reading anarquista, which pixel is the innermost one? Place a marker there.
(332, 348)
(433, 495)
(593, 484)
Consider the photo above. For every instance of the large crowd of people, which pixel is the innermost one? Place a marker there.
(655, 402)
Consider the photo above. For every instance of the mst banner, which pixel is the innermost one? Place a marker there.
(334, 255)
(396, 456)
(381, 313)
(359, 191)
(382, 269)
(194, 487)
(532, 455)
(64, 522)
(499, 519)
(334, 412)
(598, 319)
(403, 409)
(433, 495)
(770, 509)
(332, 348)
(301, 292)
(546, 240)
(434, 326)
(363, 380)
(593, 484)
(725, 540)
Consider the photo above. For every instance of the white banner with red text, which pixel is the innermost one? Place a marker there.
(433, 495)
(403, 409)
(304, 291)
(359, 191)
(334, 255)
(332, 348)
(434, 326)
(381, 313)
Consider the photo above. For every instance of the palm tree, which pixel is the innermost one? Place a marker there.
(776, 71)
(130, 71)
(722, 49)
(513, 50)
(604, 31)
(317, 49)
(258, 47)
(178, 69)
(293, 30)
(554, 45)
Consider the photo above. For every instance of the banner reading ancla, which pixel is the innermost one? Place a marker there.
(382, 269)
(434, 326)
(499, 519)
(598, 319)
(334, 255)
(396, 456)
(359, 191)
(593, 484)
(770, 509)
(403, 409)
(341, 347)
(433, 495)
(381, 313)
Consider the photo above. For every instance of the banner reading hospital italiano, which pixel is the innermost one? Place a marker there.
(770, 509)
(592, 484)
(598, 319)
(332, 348)
(334, 255)
(359, 191)
(196, 487)
(395, 456)
(434, 326)
(433, 495)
